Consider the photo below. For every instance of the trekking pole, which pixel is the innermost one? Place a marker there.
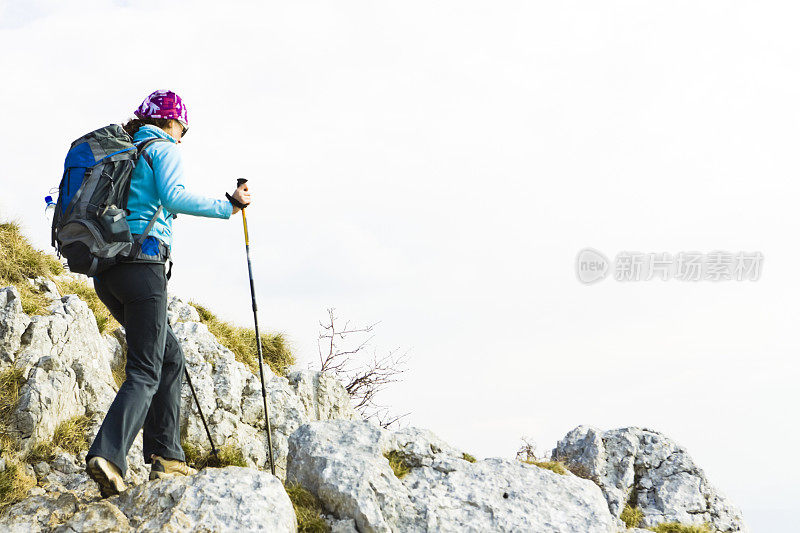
(239, 183)
(200, 410)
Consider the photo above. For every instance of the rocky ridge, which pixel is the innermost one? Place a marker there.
(320, 443)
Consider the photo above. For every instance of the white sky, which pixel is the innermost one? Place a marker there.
(437, 166)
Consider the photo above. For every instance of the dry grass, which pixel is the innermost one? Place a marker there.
(44, 451)
(73, 435)
(308, 510)
(105, 322)
(11, 381)
(398, 462)
(19, 261)
(14, 484)
(14, 481)
(70, 435)
(118, 368)
(675, 527)
(118, 372)
(226, 456)
(242, 342)
(467, 457)
(554, 466)
(632, 516)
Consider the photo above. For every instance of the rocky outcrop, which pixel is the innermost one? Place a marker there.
(319, 442)
(67, 364)
(647, 470)
(229, 499)
(343, 464)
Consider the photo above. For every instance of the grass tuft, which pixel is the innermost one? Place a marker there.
(73, 435)
(44, 451)
(11, 381)
(14, 484)
(632, 516)
(242, 342)
(554, 466)
(84, 291)
(118, 368)
(398, 462)
(19, 261)
(308, 510)
(469, 458)
(226, 456)
(676, 527)
(70, 435)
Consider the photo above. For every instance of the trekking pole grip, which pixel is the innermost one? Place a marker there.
(232, 200)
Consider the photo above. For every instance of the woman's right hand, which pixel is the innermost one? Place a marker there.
(241, 194)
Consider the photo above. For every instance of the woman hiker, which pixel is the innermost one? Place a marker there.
(136, 294)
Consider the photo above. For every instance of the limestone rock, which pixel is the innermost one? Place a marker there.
(96, 517)
(178, 311)
(45, 286)
(39, 513)
(228, 499)
(648, 470)
(13, 323)
(342, 462)
(69, 373)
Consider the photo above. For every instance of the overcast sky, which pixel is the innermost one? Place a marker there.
(437, 166)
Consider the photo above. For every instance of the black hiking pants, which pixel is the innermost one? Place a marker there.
(150, 397)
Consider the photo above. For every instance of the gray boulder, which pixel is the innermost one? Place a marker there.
(648, 470)
(342, 462)
(39, 513)
(228, 499)
(95, 517)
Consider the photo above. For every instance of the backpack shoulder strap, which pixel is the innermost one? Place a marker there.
(142, 147)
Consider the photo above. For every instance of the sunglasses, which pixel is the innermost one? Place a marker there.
(184, 128)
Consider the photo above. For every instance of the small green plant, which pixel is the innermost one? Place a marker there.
(676, 527)
(467, 457)
(14, 484)
(308, 510)
(632, 516)
(242, 342)
(105, 322)
(226, 456)
(19, 262)
(398, 462)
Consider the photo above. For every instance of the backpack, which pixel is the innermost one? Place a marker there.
(89, 226)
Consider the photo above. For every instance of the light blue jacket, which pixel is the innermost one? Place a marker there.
(163, 184)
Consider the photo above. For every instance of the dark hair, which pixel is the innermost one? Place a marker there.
(133, 125)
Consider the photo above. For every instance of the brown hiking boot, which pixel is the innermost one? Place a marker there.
(106, 475)
(168, 467)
